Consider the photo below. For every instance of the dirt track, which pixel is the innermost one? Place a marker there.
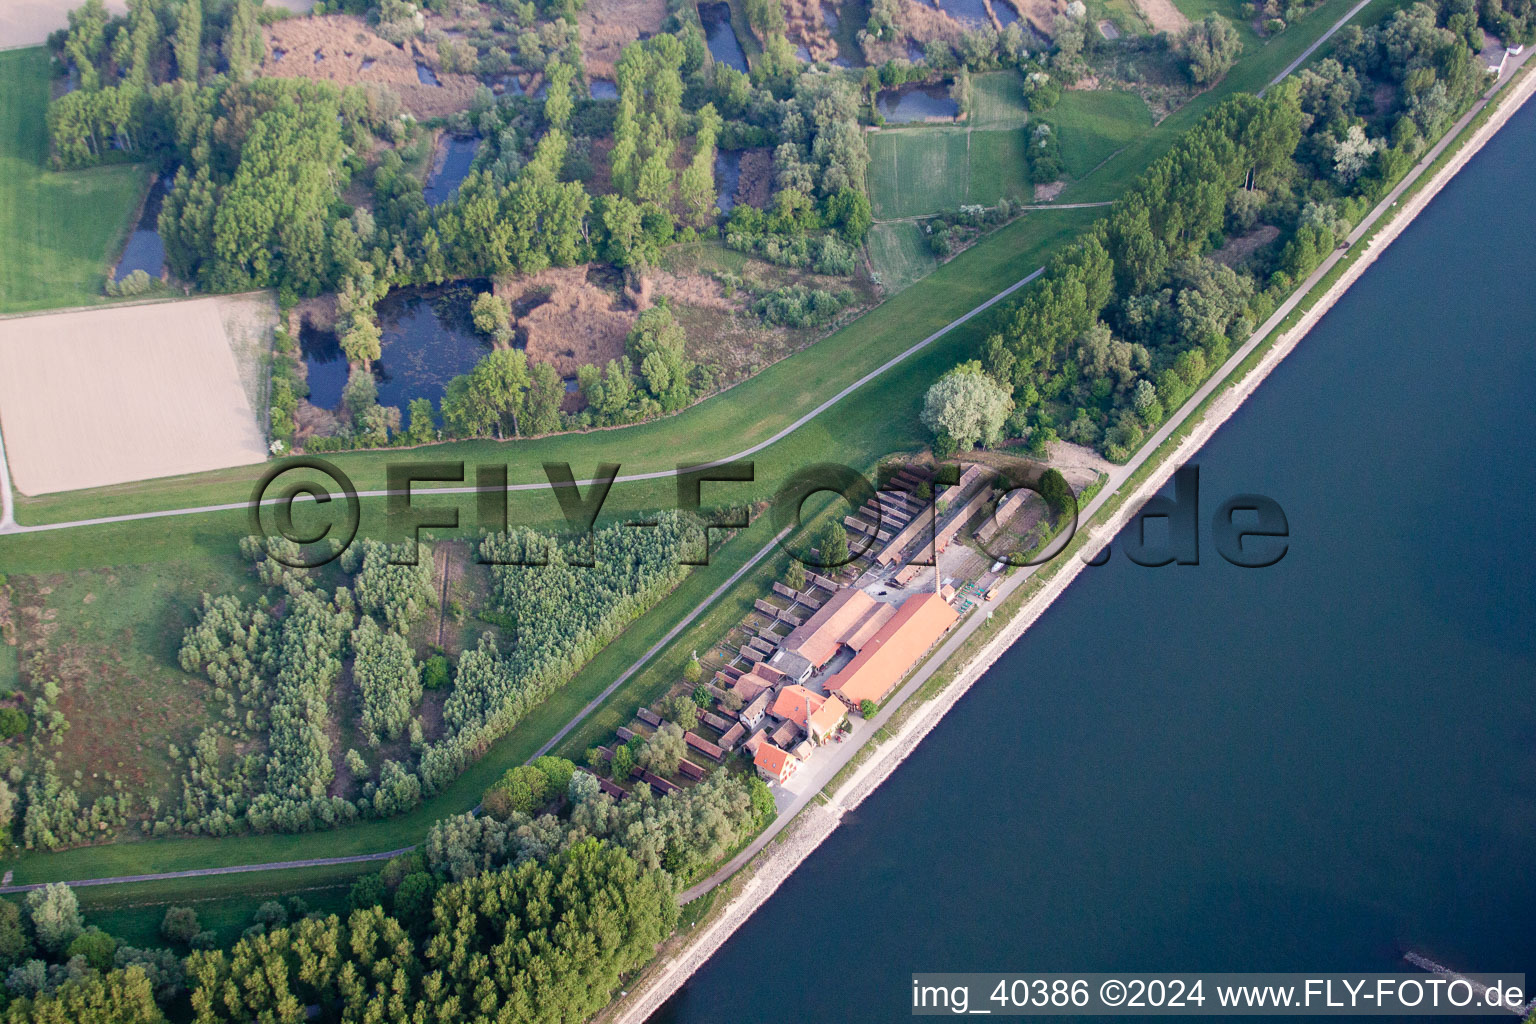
(1163, 16)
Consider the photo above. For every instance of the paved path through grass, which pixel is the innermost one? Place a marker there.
(9, 526)
(1309, 51)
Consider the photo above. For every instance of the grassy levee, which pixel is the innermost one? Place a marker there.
(57, 229)
(877, 419)
(225, 904)
(750, 412)
(1259, 65)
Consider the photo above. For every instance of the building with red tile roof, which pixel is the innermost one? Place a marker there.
(795, 704)
(750, 685)
(817, 716)
(703, 746)
(917, 625)
(826, 720)
(732, 736)
(775, 764)
(752, 715)
(815, 641)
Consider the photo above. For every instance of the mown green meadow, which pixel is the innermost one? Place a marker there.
(914, 172)
(59, 230)
(997, 101)
(899, 254)
(1092, 126)
(917, 171)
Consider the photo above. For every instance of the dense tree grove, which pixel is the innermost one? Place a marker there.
(655, 348)
(965, 408)
(503, 396)
(558, 615)
(260, 166)
(1210, 47)
(1126, 323)
(275, 673)
(388, 681)
(684, 832)
(394, 594)
(539, 942)
(276, 662)
(299, 767)
(528, 919)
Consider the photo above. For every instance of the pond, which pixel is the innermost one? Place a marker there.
(1006, 13)
(829, 15)
(428, 339)
(917, 103)
(723, 44)
(727, 175)
(324, 364)
(974, 11)
(425, 75)
(455, 156)
(145, 250)
(602, 89)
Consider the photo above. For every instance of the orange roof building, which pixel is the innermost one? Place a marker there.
(818, 638)
(826, 719)
(816, 715)
(870, 625)
(796, 703)
(916, 626)
(775, 764)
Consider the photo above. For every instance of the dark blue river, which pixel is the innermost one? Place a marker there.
(1311, 767)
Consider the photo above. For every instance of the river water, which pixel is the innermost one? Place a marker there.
(1311, 767)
